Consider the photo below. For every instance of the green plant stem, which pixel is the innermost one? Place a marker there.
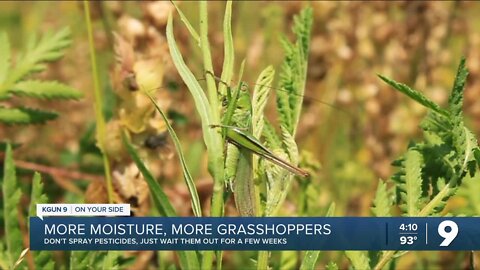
(207, 63)
(217, 197)
(387, 256)
(262, 260)
(100, 121)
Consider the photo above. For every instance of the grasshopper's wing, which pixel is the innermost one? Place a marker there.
(245, 140)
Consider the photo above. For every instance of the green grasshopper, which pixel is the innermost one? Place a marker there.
(242, 145)
(241, 138)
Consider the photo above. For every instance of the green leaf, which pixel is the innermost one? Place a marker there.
(294, 72)
(229, 58)
(311, 256)
(4, 56)
(382, 202)
(49, 48)
(359, 259)
(213, 140)
(302, 25)
(25, 116)
(331, 266)
(83, 259)
(197, 208)
(43, 258)
(280, 180)
(37, 197)
(259, 100)
(187, 23)
(188, 259)
(432, 171)
(209, 111)
(288, 259)
(413, 182)
(271, 137)
(290, 146)
(111, 260)
(45, 90)
(455, 101)
(415, 95)
(11, 201)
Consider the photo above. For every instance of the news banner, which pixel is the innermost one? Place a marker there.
(109, 227)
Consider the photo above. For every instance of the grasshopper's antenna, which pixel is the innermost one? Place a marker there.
(279, 89)
(308, 97)
(218, 79)
(255, 84)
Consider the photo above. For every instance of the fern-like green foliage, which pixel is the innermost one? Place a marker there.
(311, 256)
(83, 259)
(331, 266)
(294, 71)
(259, 100)
(409, 182)
(15, 79)
(414, 94)
(43, 258)
(289, 104)
(23, 115)
(11, 200)
(432, 170)
(382, 201)
(359, 259)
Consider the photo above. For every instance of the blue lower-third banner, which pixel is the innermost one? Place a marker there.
(230, 233)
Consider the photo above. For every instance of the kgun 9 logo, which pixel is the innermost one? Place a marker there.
(449, 235)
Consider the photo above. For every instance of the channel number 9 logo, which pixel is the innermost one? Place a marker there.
(448, 230)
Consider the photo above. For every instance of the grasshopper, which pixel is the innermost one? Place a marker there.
(241, 138)
(236, 129)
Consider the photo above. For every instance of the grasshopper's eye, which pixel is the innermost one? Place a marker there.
(244, 87)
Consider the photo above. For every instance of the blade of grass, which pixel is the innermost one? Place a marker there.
(311, 256)
(187, 23)
(207, 63)
(229, 54)
(188, 259)
(213, 139)
(196, 207)
(215, 110)
(99, 119)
